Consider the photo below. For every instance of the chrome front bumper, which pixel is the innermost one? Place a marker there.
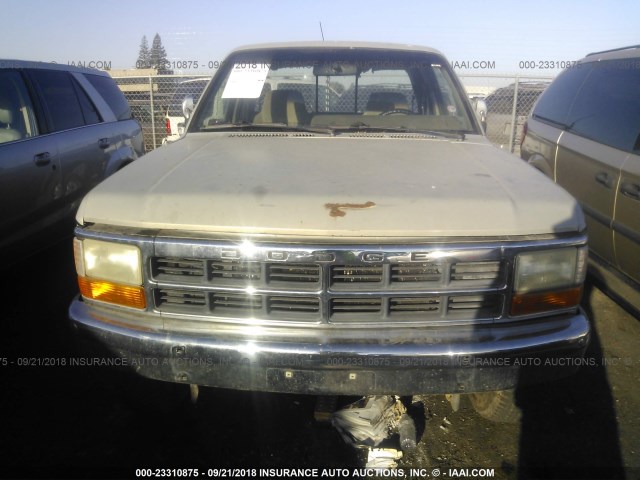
(403, 361)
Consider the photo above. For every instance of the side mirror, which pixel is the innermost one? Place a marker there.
(187, 107)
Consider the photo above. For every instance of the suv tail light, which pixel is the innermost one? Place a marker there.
(167, 126)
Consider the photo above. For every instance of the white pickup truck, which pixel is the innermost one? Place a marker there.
(371, 241)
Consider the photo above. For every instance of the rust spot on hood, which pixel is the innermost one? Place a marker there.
(336, 209)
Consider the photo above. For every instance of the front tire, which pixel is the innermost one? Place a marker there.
(497, 406)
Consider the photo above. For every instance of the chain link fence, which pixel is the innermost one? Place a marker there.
(501, 102)
(155, 102)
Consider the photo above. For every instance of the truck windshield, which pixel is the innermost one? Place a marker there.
(336, 88)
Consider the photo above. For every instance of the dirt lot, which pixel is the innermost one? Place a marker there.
(93, 421)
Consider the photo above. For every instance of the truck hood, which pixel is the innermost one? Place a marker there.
(365, 185)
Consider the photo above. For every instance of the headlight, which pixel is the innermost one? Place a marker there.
(548, 279)
(548, 269)
(110, 272)
(117, 262)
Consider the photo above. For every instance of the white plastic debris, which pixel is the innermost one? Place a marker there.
(365, 424)
(383, 458)
(370, 420)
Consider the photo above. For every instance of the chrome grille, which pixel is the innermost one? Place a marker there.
(330, 285)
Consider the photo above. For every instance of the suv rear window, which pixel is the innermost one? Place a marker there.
(60, 97)
(108, 89)
(607, 107)
(555, 102)
(599, 101)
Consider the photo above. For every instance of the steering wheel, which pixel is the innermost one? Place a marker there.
(403, 111)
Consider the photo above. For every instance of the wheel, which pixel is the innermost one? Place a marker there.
(497, 406)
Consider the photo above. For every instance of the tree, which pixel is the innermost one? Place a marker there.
(144, 56)
(158, 56)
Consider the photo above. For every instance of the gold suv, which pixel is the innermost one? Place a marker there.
(584, 133)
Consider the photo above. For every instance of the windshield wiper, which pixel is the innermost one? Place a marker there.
(325, 129)
(364, 127)
(361, 126)
(254, 127)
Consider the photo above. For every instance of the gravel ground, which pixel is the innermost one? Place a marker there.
(88, 422)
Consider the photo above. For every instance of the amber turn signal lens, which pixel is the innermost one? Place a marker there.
(530, 303)
(124, 295)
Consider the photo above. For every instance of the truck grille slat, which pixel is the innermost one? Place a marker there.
(485, 304)
(180, 267)
(414, 304)
(356, 274)
(294, 304)
(423, 272)
(181, 297)
(490, 271)
(226, 300)
(293, 273)
(235, 270)
(356, 305)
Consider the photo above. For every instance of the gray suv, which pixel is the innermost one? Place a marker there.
(584, 133)
(62, 131)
